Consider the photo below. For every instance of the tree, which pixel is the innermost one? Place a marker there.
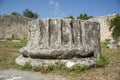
(70, 17)
(84, 17)
(115, 27)
(16, 14)
(30, 14)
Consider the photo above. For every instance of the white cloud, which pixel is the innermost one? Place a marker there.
(56, 8)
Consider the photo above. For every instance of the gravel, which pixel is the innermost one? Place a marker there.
(14, 74)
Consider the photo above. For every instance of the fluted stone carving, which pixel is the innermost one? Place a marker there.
(62, 39)
(73, 42)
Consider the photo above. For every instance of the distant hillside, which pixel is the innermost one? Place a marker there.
(13, 26)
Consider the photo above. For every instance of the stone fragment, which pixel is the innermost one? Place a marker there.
(113, 44)
(16, 41)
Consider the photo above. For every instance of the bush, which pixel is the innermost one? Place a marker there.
(15, 14)
(28, 13)
(115, 27)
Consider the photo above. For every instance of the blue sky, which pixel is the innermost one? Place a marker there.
(61, 8)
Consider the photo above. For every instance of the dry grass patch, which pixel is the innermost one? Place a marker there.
(8, 53)
(108, 72)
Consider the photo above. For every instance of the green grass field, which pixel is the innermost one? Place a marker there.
(9, 51)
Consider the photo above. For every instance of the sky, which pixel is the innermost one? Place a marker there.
(61, 8)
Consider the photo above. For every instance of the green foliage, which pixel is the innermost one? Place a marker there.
(30, 14)
(70, 17)
(44, 69)
(102, 62)
(15, 14)
(27, 66)
(105, 43)
(84, 17)
(14, 44)
(79, 68)
(59, 65)
(21, 44)
(115, 27)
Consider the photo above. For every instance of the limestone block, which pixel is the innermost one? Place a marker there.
(62, 39)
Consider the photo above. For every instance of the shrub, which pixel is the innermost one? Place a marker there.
(115, 27)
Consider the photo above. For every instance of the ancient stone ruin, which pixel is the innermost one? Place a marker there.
(72, 42)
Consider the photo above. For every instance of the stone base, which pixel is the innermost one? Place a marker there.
(20, 60)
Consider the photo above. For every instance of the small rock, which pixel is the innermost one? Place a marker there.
(16, 41)
(112, 44)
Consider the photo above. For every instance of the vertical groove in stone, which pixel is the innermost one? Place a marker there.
(70, 43)
(86, 34)
(49, 32)
(60, 33)
(90, 37)
(72, 32)
(44, 34)
(96, 39)
(66, 33)
(80, 33)
(55, 34)
(29, 35)
(86, 38)
(76, 33)
(34, 34)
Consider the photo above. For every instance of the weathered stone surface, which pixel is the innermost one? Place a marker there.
(62, 39)
(45, 62)
(113, 44)
(105, 33)
(13, 27)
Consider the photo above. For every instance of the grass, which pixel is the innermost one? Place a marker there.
(111, 71)
(8, 53)
(102, 62)
(105, 43)
(27, 66)
(78, 68)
